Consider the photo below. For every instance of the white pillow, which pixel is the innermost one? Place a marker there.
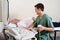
(26, 22)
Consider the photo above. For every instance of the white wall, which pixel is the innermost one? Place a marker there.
(22, 8)
(52, 8)
(25, 8)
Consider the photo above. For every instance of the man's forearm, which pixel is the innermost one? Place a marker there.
(49, 29)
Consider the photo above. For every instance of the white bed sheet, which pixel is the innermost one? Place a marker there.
(20, 33)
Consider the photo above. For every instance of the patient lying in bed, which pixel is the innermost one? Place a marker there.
(26, 22)
(22, 25)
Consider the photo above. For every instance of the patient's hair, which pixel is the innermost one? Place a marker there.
(40, 5)
(15, 20)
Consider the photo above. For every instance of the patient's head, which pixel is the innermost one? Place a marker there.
(15, 20)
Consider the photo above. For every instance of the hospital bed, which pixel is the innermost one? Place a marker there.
(8, 35)
(12, 34)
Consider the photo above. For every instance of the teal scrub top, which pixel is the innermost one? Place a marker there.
(46, 21)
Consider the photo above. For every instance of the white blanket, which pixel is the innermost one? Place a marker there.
(24, 34)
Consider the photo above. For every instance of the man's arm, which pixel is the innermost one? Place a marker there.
(49, 29)
(46, 28)
(50, 24)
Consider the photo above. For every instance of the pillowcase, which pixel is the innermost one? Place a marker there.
(26, 22)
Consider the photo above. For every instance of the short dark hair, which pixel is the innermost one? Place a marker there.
(40, 5)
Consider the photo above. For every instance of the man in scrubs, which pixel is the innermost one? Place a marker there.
(45, 21)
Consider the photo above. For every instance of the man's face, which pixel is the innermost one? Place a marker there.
(38, 11)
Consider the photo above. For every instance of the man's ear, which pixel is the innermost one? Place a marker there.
(39, 9)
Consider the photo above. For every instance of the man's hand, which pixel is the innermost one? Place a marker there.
(30, 28)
